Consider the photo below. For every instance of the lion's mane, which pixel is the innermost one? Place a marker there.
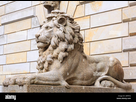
(64, 39)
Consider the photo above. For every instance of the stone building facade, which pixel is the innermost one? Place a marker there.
(108, 28)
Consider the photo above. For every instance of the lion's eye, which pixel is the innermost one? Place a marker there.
(47, 27)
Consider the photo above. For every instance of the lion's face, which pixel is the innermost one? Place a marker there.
(44, 36)
(58, 35)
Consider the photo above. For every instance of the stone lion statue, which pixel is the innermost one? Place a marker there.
(62, 60)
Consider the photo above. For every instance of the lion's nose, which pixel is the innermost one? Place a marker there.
(37, 35)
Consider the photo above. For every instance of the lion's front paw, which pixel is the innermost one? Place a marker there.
(19, 80)
(6, 82)
(9, 81)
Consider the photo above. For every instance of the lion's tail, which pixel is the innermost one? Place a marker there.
(124, 85)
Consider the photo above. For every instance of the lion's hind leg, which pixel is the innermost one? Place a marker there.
(112, 82)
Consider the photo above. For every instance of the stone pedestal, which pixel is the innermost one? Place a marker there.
(61, 89)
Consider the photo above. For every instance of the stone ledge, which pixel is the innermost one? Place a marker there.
(132, 3)
(61, 89)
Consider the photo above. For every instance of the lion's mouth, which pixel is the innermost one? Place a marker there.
(41, 44)
(43, 41)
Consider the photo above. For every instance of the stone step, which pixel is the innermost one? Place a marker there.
(62, 89)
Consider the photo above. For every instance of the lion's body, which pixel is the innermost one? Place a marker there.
(78, 69)
(62, 60)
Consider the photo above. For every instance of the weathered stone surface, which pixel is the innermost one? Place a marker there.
(17, 47)
(3, 2)
(3, 39)
(1, 30)
(106, 18)
(129, 43)
(10, 1)
(2, 10)
(16, 16)
(16, 68)
(33, 67)
(132, 58)
(32, 55)
(16, 58)
(83, 34)
(33, 44)
(35, 2)
(122, 57)
(63, 6)
(131, 3)
(112, 31)
(2, 78)
(133, 85)
(56, 89)
(79, 12)
(18, 36)
(129, 13)
(51, 5)
(132, 28)
(41, 13)
(0, 21)
(129, 73)
(3, 59)
(87, 48)
(82, 1)
(17, 5)
(35, 22)
(71, 7)
(32, 32)
(1, 88)
(1, 49)
(107, 46)
(83, 22)
(16, 74)
(17, 26)
(101, 6)
(1, 69)
(42, 2)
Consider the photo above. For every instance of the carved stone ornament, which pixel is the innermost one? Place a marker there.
(51, 5)
(62, 60)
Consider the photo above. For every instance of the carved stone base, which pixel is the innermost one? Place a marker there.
(61, 89)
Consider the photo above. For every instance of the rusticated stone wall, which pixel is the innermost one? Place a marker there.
(108, 28)
(19, 22)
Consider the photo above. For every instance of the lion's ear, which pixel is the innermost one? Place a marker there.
(62, 20)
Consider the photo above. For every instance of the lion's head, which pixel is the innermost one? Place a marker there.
(59, 34)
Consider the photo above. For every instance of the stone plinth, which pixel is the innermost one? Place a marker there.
(61, 89)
